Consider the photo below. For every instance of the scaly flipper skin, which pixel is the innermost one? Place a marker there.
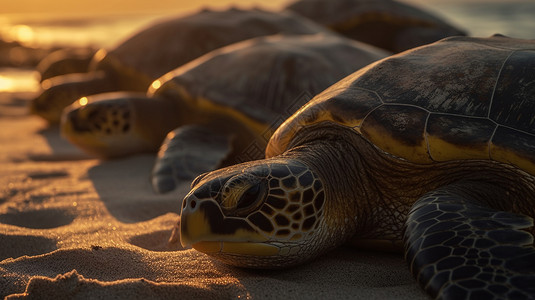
(187, 152)
(459, 248)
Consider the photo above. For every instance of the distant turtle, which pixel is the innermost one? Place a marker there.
(433, 148)
(65, 61)
(224, 103)
(135, 63)
(387, 24)
(14, 54)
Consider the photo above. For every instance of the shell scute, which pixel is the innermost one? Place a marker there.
(456, 137)
(514, 147)
(514, 99)
(333, 106)
(399, 130)
(442, 80)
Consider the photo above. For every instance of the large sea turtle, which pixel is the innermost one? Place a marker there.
(387, 24)
(432, 149)
(230, 98)
(135, 63)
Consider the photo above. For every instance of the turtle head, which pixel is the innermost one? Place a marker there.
(114, 124)
(60, 91)
(262, 214)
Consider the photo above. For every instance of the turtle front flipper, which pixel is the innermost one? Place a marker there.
(187, 152)
(459, 248)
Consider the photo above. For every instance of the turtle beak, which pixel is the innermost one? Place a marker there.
(203, 221)
(204, 227)
(194, 223)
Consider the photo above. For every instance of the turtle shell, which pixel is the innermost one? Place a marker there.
(161, 47)
(65, 61)
(459, 98)
(384, 23)
(267, 79)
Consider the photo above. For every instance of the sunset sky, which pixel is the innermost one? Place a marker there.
(111, 6)
(63, 7)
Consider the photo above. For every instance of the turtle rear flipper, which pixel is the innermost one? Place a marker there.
(458, 248)
(187, 152)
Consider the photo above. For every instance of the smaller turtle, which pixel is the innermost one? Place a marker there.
(230, 99)
(431, 150)
(65, 61)
(150, 53)
(387, 24)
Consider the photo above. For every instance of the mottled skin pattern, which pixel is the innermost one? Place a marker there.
(458, 247)
(118, 120)
(279, 202)
(406, 166)
(113, 117)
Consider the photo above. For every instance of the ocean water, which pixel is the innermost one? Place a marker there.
(479, 18)
(510, 18)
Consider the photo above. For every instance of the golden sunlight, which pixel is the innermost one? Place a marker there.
(92, 7)
(15, 81)
(83, 101)
(21, 33)
(6, 84)
(156, 84)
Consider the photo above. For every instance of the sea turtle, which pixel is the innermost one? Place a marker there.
(433, 149)
(387, 24)
(135, 63)
(65, 61)
(230, 98)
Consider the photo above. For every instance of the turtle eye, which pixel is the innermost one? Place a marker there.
(250, 199)
(243, 194)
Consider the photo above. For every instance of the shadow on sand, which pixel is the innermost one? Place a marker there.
(61, 149)
(123, 185)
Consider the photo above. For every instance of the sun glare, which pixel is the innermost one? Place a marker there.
(22, 33)
(83, 101)
(6, 84)
(18, 81)
(156, 84)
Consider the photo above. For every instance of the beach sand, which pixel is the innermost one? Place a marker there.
(75, 227)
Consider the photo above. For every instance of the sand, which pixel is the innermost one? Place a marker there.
(75, 227)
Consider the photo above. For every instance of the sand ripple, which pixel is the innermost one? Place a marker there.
(38, 219)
